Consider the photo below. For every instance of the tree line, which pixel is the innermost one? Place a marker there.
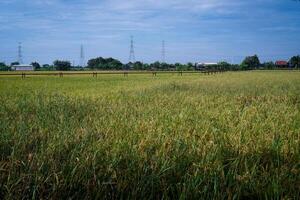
(100, 63)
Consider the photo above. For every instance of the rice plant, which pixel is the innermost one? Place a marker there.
(226, 136)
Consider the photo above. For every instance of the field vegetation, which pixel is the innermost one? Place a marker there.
(226, 136)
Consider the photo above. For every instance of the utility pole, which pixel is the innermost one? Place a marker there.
(82, 61)
(20, 60)
(131, 54)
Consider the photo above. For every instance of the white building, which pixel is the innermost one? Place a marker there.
(200, 66)
(23, 67)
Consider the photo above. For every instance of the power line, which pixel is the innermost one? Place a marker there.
(131, 54)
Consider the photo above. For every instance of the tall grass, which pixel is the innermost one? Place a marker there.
(228, 136)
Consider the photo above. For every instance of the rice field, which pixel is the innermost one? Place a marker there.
(226, 136)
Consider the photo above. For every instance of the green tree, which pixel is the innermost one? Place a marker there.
(269, 65)
(138, 65)
(105, 64)
(244, 66)
(224, 65)
(155, 66)
(36, 65)
(295, 61)
(180, 67)
(250, 62)
(164, 66)
(14, 63)
(2, 64)
(4, 67)
(146, 66)
(235, 67)
(62, 65)
(117, 64)
(172, 67)
(190, 66)
(47, 67)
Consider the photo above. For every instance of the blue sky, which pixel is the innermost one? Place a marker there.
(193, 30)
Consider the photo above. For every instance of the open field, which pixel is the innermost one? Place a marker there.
(223, 136)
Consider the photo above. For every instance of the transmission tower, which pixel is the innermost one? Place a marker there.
(131, 55)
(20, 60)
(82, 61)
(163, 52)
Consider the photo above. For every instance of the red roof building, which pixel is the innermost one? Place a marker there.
(281, 63)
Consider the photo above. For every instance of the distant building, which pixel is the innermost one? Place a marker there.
(22, 67)
(203, 66)
(281, 64)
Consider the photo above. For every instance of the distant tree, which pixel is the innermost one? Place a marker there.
(244, 66)
(164, 66)
(47, 67)
(250, 62)
(155, 66)
(14, 63)
(96, 63)
(93, 63)
(4, 67)
(295, 61)
(108, 64)
(255, 61)
(235, 67)
(62, 65)
(224, 65)
(269, 65)
(172, 67)
(146, 66)
(112, 64)
(117, 64)
(179, 67)
(127, 66)
(190, 66)
(36, 65)
(138, 65)
(105, 64)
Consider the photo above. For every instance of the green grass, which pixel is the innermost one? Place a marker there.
(224, 136)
